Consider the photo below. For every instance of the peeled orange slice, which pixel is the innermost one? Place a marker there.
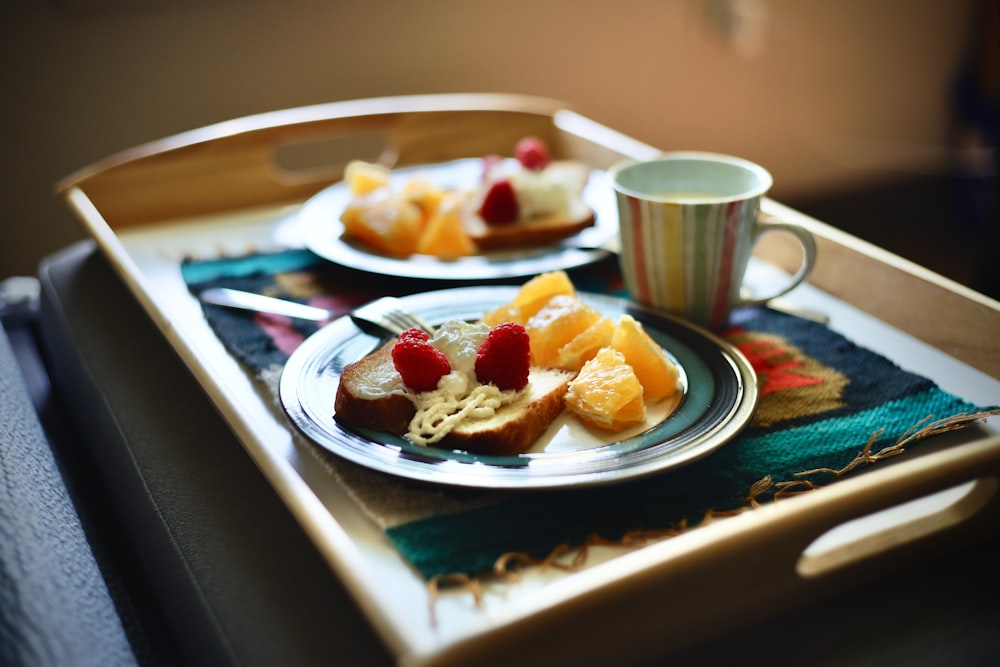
(582, 347)
(606, 392)
(651, 364)
(363, 177)
(427, 195)
(445, 236)
(536, 292)
(390, 224)
(555, 324)
(508, 312)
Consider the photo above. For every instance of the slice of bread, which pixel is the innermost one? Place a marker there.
(371, 395)
(516, 426)
(539, 231)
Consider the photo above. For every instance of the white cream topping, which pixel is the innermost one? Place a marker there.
(381, 381)
(459, 396)
(538, 195)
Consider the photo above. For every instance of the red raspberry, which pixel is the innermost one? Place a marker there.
(419, 363)
(532, 153)
(504, 358)
(415, 333)
(500, 205)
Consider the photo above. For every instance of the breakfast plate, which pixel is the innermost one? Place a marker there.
(717, 399)
(323, 233)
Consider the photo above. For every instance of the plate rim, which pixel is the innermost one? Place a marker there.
(449, 472)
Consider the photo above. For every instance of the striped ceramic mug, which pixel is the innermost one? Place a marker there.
(689, 222)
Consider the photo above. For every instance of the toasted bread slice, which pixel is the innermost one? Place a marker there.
(516, 426)
(371, 395)
(539, 231)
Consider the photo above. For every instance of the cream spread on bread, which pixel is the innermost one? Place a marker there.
(545, 192)
(459, 396)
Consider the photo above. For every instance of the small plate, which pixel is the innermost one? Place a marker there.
(322, 232)
(718, 399)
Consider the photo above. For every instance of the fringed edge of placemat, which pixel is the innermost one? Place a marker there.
(508, 566)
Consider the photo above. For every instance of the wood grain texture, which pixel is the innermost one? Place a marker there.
(938, 311)
(231, 166)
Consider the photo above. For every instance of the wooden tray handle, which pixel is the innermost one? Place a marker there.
(287, 156)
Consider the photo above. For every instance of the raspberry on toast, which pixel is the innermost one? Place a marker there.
(539, 229)
(371, 394)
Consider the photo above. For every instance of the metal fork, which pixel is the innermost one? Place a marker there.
(386, 314)
(389, 314)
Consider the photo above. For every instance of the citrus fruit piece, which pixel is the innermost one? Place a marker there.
(390, 224)
(582, 347)
(425, 194)
(606, 392)
(555, 324)
(536, 292)
(652, 366)
(445, 236)
(507, 312)
(363, 177)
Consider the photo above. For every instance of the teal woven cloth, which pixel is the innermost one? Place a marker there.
(826, 404)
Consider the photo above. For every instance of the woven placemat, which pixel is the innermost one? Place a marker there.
(828, 407)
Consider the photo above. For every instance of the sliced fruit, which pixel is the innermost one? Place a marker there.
(363, 177)
(389, 223)
(651, 364)
(505, 313)
(425, 194)
(555, 324)
(445, 236)
(606, 393)
(536, 292)
(582, 347)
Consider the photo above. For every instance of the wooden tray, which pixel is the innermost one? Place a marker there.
(234, 186)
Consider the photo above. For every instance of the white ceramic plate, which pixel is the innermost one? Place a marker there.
(322, 231)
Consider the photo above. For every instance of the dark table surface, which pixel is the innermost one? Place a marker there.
(203, 564)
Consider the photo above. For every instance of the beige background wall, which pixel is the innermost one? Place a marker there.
(826, 94)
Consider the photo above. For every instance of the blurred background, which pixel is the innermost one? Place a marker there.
(877, 117)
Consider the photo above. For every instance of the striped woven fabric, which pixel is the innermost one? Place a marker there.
(828, 407)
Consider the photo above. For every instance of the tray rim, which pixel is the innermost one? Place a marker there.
(333, 540)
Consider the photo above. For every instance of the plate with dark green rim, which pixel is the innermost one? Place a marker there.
(323, 233)
(717, 398)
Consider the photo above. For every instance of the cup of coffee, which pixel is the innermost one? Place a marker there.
(689, 222)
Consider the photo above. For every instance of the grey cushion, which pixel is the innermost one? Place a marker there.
(239, 581)
(55, 608)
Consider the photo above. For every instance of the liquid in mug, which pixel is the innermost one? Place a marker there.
(688, 197)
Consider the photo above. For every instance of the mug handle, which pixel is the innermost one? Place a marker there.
(806, 241)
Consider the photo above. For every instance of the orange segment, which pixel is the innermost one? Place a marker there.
(363, 177)
(390, 224)
(536, 292)
(426, 195)
(582, 347)
(606, 393)
(555, 324)
(652, 366)
(445, 236)
(505, 313)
